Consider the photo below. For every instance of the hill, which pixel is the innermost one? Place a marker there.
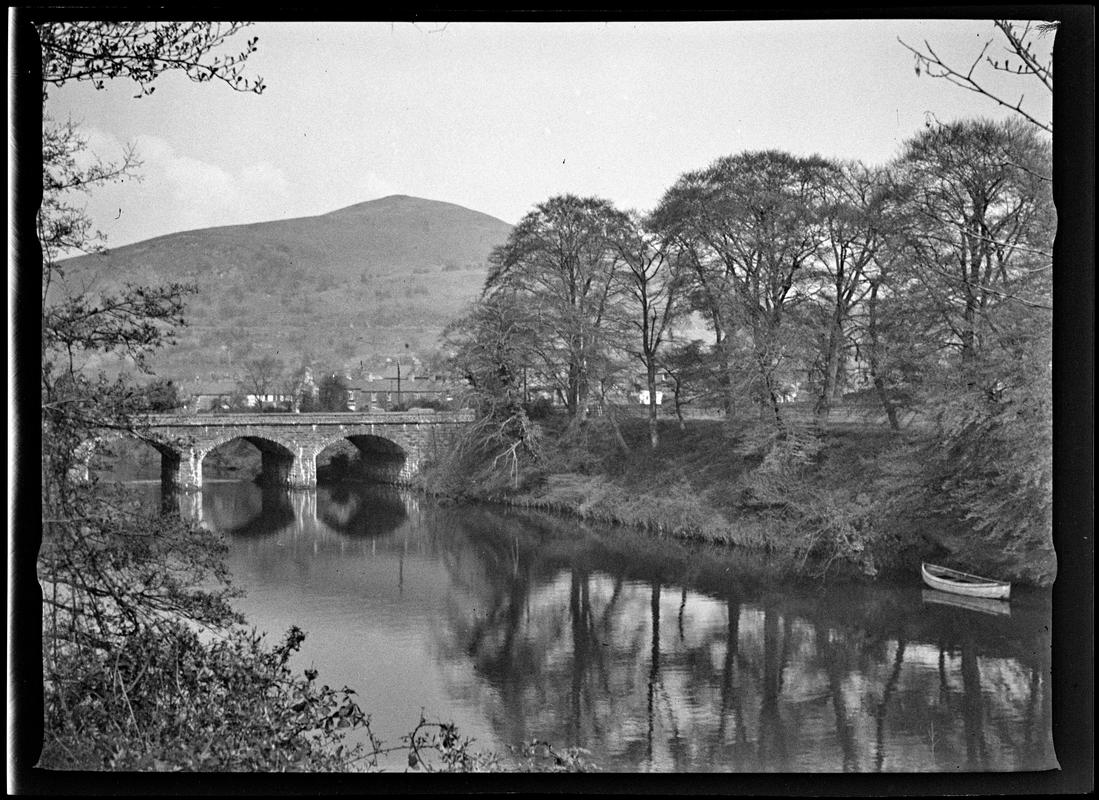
(373, 280)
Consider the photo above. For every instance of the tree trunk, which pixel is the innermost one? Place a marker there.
(654, 431)
(612, 418)
(725, 377)
(972, 305)
(827, 394)
(879, 383)
(768, 393)
(883, 398)
(572, 394)
(679, 405)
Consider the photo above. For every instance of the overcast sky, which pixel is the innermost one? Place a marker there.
(500, 116)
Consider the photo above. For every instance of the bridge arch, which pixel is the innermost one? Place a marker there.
(86, 455)
(278, 456)
(382, 459)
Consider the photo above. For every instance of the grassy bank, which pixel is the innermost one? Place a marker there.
(845, 499)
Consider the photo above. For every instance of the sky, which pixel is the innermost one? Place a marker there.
(498, 117)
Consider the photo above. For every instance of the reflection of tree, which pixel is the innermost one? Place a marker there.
(654, 661)
(976, 757)
(883, 707)
(568, 636)
(580, 619)
(731, 697)
(844, 727)
(772, 738)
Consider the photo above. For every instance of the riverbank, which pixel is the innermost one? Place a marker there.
(842, 499)
(851, 497)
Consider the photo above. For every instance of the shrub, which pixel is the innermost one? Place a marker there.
(174, 699)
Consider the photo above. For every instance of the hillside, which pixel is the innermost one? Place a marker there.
(358, 284)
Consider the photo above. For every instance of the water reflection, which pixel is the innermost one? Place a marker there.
(654, 655)
(361, 514)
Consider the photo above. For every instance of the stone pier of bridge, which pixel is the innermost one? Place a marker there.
(395, 445)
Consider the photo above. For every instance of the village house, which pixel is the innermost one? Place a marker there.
(208, 396)
(225, 394)
(405, 388)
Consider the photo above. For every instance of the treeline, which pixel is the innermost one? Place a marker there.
(928, 278)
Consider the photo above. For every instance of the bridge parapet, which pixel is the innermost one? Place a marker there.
(310, 418)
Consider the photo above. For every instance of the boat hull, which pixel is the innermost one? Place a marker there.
(973, 587)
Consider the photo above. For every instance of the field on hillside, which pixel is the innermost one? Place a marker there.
(376, 280)
(388, 315)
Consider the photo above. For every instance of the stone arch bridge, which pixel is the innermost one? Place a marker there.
(396, 443)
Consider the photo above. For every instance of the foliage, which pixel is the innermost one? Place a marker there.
(99, 51)
(820, 523)
(437, 405)
(490, 345)
(297, 385)
(177, 698)
(133, 320)
(693, 370)
(161, 394)
(991, 460)
(540, 756)
(144, 665)
(977, 244)
(333, 393)
(439, 747)
(68, 173)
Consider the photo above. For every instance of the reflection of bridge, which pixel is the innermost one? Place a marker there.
(396, 442)
(359, 513)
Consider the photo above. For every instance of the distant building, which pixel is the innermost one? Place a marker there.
(261, 401)
(643, 397)
(389, 390)
(371, 393)
(209, 396)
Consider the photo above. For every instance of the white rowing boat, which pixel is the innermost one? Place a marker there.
(950, 580)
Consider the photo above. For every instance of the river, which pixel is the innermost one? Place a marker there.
(654, 655)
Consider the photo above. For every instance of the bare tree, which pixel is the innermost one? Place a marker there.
(749, 225)
(262, 374)
(851, 201)
(652, 283)
(979, 230)
(492, 345)
(1022, 53)
(559, 259)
